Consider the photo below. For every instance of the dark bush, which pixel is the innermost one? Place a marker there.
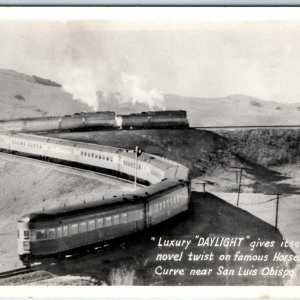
(255, 103)
(43, 81)
(19, 97)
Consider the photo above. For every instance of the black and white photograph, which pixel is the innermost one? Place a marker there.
(144, 146)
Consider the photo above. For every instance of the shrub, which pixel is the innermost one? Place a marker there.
(19, 97)
(122, 276)
(255, 103)
(43, 81)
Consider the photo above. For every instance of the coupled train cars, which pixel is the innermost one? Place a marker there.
(62, 229)
(103, 120)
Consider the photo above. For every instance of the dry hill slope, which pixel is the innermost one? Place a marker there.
(235, 110)
(31, 96)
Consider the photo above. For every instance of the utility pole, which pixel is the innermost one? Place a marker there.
(204, 183)
(238, 178)
(138, 152)
(136, 166)
(277, 208)
(239, 188)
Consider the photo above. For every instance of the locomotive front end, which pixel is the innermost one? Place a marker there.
(24, 247)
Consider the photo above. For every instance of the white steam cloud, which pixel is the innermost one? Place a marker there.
(85, 83)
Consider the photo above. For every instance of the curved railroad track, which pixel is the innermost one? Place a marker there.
(15, 272)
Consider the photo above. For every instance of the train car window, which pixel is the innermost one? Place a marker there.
(81, 153)
(65, 230)
(89, 154)
(124, 217)
(164, 204)
(92, 154)
(82, 227)
(155, 208)
(100, 223)
(107, 158)
(18, 234)
(73, 229)
(111, 159)
(26, 234)
(150, 209)
(116, 219)
(59, 232)
(91, 225)
(107, 221)
(51, 233)
(96, 156)
(41, 234)
(99, 156)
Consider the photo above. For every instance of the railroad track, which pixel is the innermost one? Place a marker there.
(14, 272)
(247, 127)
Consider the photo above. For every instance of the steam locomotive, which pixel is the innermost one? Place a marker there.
(101, 120)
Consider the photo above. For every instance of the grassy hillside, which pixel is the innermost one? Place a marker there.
(234, 110)
(31, 96)
(267, 147)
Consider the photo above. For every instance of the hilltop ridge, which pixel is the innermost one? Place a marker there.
(23, 95)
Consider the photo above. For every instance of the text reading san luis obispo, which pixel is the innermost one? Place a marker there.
(220, 252)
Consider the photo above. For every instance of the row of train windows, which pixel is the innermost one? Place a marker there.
(94, 155)
(84, 226)
(132, 164)
(156, 207)
(30, 145)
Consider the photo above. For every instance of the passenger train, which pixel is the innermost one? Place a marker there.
(103, 120)
(60, 230)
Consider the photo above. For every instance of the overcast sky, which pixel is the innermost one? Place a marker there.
(202, 59)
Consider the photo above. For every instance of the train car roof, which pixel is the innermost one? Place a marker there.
(156, 113)
(80, 114)
(133, 198)
(157, 161)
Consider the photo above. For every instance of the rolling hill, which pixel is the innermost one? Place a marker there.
(235, 110)
(31, 96)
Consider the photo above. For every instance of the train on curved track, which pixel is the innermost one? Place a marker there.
(101, 120)
(165, 193)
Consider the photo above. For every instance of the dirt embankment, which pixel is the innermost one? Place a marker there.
(267, 147)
